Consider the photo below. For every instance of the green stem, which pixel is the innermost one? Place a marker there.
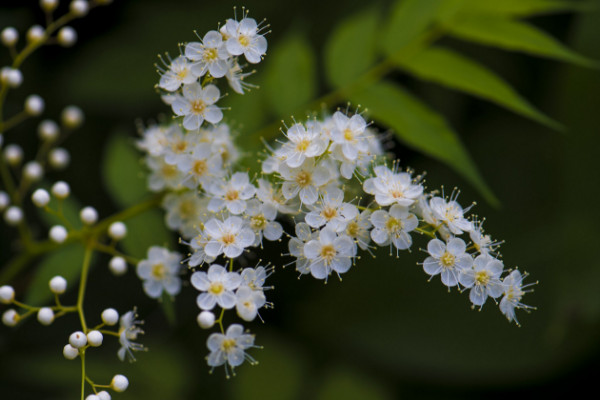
(85, 269)
(13, 121)
(83, 376)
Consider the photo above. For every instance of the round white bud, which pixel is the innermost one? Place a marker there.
(59, 158)
(7, 294)
(117, 266)
(61, 190)
(88, 215)
(11, 77)
(48, 130)
(13, 153)
(67, 36)
(4, 200)
(206, 319)
(104, 395)
(72, 117)
(119, 383)
(33, 171)
(110, 316)
(9, 36)
(40, 198)
(95, 338)
(117, 230)
(92, 397)
(78, 339)
(45, 316)
(58, 285)
(58, 233)
(34, 105)
(70, 352)
(10, 317)
(79, 7)
(13, 215)
(35, 33)
(48, 5)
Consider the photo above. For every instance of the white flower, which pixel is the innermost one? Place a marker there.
(231, 194)
(180, 144)
(255, 278)
(483, 279)
(197, 105)
(128, 331)
(210, 55)
(217, 286)
(393, 226)
(160, 271)
(331, 211)
(359, 229)
(304, 181)
(235, 77)
(349, 134)
(482, 242)
(296, 246)
(185, 212)
(448, 259)
(230, 347)
(229, 237)
(261, 220)
(163, 175)
(243, 38)
(273, 197)
(392, 188)
(450, 213)
(302, 144)
(328, 253)
(513, 292)
(197, 244)
(200, 166)
(248, 302)
(178, 74)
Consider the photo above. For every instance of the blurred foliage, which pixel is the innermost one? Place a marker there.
(383, 332)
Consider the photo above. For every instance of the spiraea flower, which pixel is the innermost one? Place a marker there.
(208, 56)
(331, 211)
(393, 226)
(230, 348)
(197, 105)
(349, 134)
(483, 279)
(229, 237)
(217, 287)
(514, 290)
(329, 253)
(302, 144)
(231, 194)
(179, 73)
(262, 221)
(390, 187)
(450, 213)
(304, 181)
(248, 302)
(160, 271)
(243, 37)
(129, 330)
(447, 259)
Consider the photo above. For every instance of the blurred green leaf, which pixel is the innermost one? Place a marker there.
(278, 376)
(66, 262)
(123, 172)
(421, 128)
(351, 49)
(167, 304)
(409, 18)
(145, 230)
(451, 69)
(522, 8)
(514, 35)
(290, 75)
(345, 384)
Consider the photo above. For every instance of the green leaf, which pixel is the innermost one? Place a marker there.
(514, 35)
(351, 50)
(290, 79)
(523, 8)
(455, 71)
(123, 171)
(343, 383)
(421, 128)
(66, 262)
(409, 18)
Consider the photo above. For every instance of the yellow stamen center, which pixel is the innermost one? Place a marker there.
(216, 288)
(159, 271)
(303, 178)
(232, 195)
(348, 135)
(302, 145)
(210, 54)
(198, 106)
(328, 253)
(482, 277)
(199, 168)
(228, 239)
(258, 222)
(244, 40)
(228, 345)
(329, 213)
(447, 260)
(352, 229)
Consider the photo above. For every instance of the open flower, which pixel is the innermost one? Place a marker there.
(447, 259)
(160, 271)
(328, 253)
(129, 331)
(211, 55)
(393, 226)
(483, 279)
(229, 237)
(243, 38)
(392, 188)
(197, 105)
(230, 348)
(179, 73)
(217, 287)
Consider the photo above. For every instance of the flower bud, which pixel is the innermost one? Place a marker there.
(119, 383)
(13, 153)
(58, 234)
(206, 319)
(34, 105)
(104, 395)
(79, 7)
(72, 117)
(40, 198)
(59, 158)
(35, 33)
(67, 36)
(7, 294)
(58, 285)
(61, 190)
(95, 338)
(88, 215)
(92, 397)
(4, 200)
(13, 215)
(117, 230)
(45, 316)
(10, 317)
(78, 339)
(70, 352)
(48, 130)
(33, 171)
(9, 36)
(48, 5)
(117, 266)
(110, 316)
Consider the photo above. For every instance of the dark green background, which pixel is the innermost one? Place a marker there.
(384, 332)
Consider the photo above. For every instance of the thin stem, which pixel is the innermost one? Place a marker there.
(82, 284)
(13, 121)
(83, 376)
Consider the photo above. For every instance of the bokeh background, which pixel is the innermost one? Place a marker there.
(384, 332)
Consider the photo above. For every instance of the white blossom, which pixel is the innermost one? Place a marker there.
(304, 181)
(483, 279)
(328, 253)
(231, 194)
(244, 38)
(179, 73)
(210, 55)
(393, 226)
(160, 271)
(331, 211)
(447, 259)
(217, 287)
(514, 290)
(230, 348)
(392, 188)
(197, 105)
(129, 331)
(450, 213)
